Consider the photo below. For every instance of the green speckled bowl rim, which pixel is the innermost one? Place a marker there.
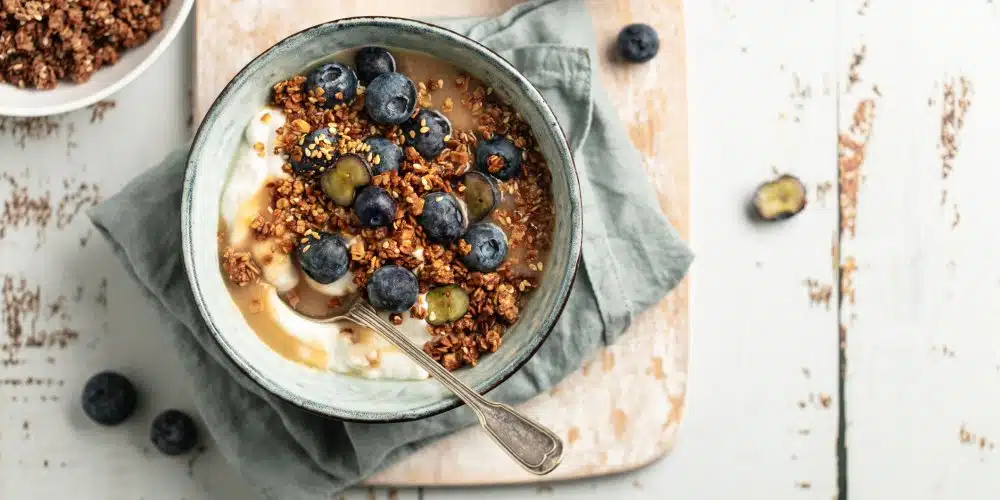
(448, 402)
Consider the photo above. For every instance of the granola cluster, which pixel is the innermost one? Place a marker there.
(44, 42)
(298, 208)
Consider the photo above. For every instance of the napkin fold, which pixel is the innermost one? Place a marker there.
(631, 258)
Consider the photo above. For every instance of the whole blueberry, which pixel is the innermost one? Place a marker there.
(173, 432)
(443, 219)
(638, 42)
(109, 398)
(392, 289)
(499, 158)
(489, 247)
(390, 99)
(386, 155)
(323, 256)
(316, 151)
(426, 132)
(374, 207)
(337, 82)
(372, 62)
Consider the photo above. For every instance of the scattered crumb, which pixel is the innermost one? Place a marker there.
(955, 98)
(825, 400)
(803, 485)
(847, 270)
(852, 70)
(821, 191)
(852, 145)
(819, 294)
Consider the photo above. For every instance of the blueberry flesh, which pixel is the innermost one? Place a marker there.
(109, 398)
(392, 289)
(372, 62)
(426, 133)
(374, 207)
(443, 219)
(489, 247)
(173, 432)
(318, 151)
(499, 158)
(333, 79)
(325, 259)
(386, 155)
(638, 42)
(390, 99)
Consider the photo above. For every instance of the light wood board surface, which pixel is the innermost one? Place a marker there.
(622, 409)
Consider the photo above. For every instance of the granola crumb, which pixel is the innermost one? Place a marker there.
(239, 267)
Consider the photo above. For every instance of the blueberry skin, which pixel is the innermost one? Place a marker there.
(392, 289)
(374, 207)
(333, 78)
(109, 398)
(489, 247)
(315, 140)
(389, 153)
(443, 219)
(429, 144)
(499, 146)
(325, 260)
(372, 62)
(638, 42)
(173, 432)
(390, 99)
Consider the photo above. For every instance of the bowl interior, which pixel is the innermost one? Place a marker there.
(104, 82)
(334, 394)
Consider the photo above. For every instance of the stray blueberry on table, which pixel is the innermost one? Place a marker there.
(323, 256)
(498, 157)
(337, 83)
(386, 155)
(489, 247)
(392, 289)
(390, 99)
(173, 432)
(443, 218)
(374, 207)
(109, 398)
(318, 151)
(372, 62)
(638, 42)
(426, 132)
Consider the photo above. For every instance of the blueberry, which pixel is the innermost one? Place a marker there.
(386, 155)
(638, 42)
(109, 398)
(173, 432)
(443, 219)
(316, 151)
(426, 132)
(348, 173)
(482, 195)
(499, 158)
(392, 289)
(390, 99)
(372, 62)
(324, 259)
(489, 247)
(333, 79)
(374, 207)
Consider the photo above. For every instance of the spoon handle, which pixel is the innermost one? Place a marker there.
(536, 448)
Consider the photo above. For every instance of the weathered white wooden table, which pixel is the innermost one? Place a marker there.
(885, 108)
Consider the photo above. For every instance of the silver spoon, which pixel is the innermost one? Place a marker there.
(536, 448)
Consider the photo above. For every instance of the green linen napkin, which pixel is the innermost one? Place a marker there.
(631, 259)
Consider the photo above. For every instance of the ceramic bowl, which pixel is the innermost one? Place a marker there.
(106, 81)
(345, 396)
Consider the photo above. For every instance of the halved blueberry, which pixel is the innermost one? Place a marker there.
(323, 256)
(374, 207)
(446, 304)
(392, 289)
(335, 82)
(482, 195)
(499, 158)
(386, 155)
(390, 98)
(173, 432)
(443, 218)
(315, 152)
(426, 132)
(372, 62)
(340, 181)
(109, 398)
(489, 247)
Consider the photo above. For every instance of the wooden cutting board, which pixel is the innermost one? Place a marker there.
(621, 410)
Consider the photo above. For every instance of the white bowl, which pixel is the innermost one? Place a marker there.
(68, 96)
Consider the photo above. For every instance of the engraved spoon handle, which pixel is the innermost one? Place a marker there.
(536, 448)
